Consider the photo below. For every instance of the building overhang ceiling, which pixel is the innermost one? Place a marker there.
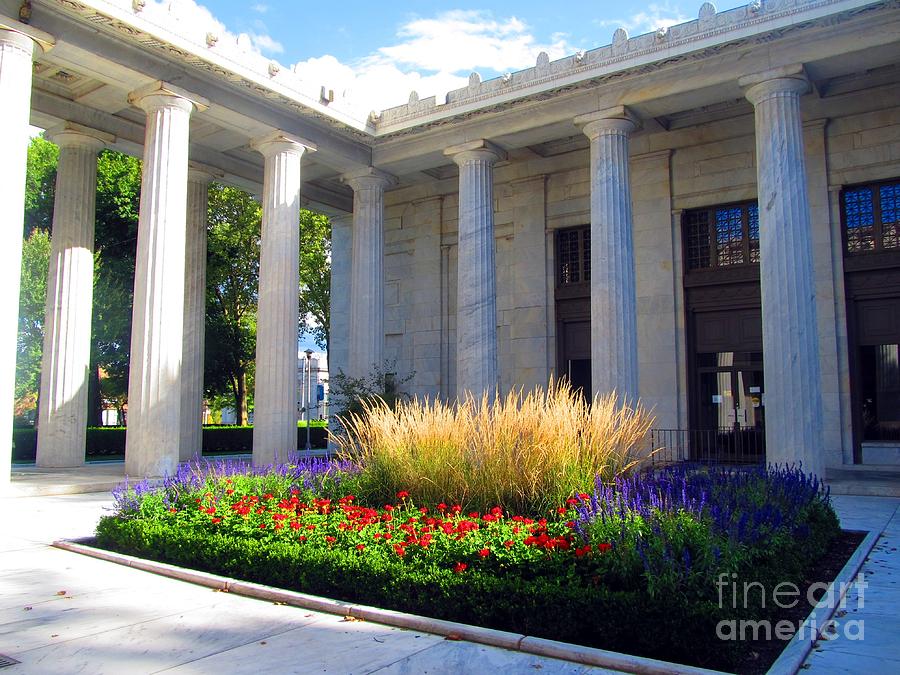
(104, 49)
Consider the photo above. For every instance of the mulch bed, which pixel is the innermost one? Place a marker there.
(763, 652)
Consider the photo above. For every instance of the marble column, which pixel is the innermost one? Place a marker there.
(367, 271)
(194, 312)
(477, 366)
(793, 399)
(15, 91)
(154, 385)
(63, 402)
(614, 349)
(275, 397)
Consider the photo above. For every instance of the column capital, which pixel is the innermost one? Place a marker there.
(480, 149)
(782, 80)
(369, 177)
(70, 134)
(203, 173)
(161, 94)
(618, 119)
(280, 141)
(25, 36)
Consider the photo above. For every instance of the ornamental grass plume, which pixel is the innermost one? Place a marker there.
(525, 452)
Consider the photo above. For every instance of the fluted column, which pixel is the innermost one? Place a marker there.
(15, 91)
(194, 312)
(477, 367)
(614, 352)
(62, 404)
(154, 385)
(275, 398)
(793, 398)
(367, 271)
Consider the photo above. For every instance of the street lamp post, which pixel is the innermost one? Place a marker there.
(308, 353)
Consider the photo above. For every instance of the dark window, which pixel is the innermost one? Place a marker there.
(573, 256)
(721, 236)
(871, 216)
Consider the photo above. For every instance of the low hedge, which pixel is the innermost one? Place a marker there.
(631, 567)
(217, 439)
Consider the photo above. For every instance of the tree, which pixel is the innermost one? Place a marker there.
(315, 276)
(118, 204)
(232, 283)
(40, 184)
(118, 199)
(29, 345)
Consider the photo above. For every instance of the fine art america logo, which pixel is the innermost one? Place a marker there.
(753, 595)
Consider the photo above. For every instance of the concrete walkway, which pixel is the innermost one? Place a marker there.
(64, 613)
(866, 635)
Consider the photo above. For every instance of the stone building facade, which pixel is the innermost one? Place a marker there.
(706, 218)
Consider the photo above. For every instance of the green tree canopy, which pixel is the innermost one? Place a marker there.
(232, 283)
(315, 276)
(35, 262)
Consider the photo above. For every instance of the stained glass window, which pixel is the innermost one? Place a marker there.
(721, 236)
(872, 217)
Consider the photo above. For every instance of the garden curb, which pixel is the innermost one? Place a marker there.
(458, 631)
(795, 653)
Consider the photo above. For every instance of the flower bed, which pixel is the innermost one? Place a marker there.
(631, 566)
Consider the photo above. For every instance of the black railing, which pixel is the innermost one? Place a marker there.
(708, 446)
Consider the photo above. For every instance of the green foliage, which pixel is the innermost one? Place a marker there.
(315, 276)
(349, 395)
(621, 589)
(40, 185)
(32, 296)
(232, 283)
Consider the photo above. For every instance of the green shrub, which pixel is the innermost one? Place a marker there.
(631, 566)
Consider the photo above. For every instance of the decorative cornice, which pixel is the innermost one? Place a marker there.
(710, 34)
(740, 22)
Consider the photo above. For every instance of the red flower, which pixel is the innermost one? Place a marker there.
(603, 548)
(460, 567)
(262, 526)
(484, 553)
(173, 510)
(330, 540)
(295, 525)
(561, 510)
(442, 506)
(360, 547)
(216, 521)
(399, 550)
(571, 502)
(229, 491)
(301, 538)
(508, 543)
(403, 494)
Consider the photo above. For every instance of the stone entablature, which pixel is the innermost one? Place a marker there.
(208, 47)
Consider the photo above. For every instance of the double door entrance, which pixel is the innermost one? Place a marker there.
(730, 406)
(728, 393)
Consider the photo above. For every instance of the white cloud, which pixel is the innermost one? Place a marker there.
(260, 8)
(655, 16)
(432, 56)
(266, 43)
(466, 40)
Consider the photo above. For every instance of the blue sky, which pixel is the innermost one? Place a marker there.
(375, 53)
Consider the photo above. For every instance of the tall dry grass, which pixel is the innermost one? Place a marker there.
(525, 452)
